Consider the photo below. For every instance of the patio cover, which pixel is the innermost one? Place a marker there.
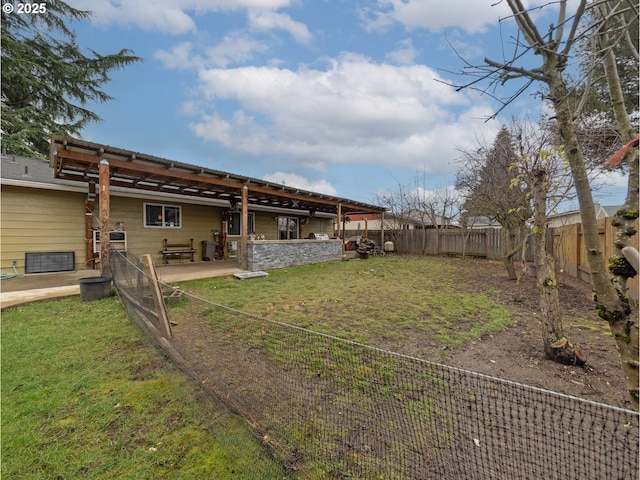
(79, 160)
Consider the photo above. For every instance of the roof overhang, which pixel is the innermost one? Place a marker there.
(78, 160)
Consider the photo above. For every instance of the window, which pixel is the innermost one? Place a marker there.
(287, 228)
(166, 216)
(234, 223)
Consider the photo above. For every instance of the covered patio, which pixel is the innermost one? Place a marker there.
(102, 167)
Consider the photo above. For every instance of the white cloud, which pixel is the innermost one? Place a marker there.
(298, 181)
(179, 56)
(235, 48)
(168, 16)
(154, 15)
(265, 21)
(472, 16)
(354, 111)
(609, 188)
(614, 180)
(405, 54)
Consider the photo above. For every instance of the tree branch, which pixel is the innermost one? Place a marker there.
(574, 27)
(527, 27)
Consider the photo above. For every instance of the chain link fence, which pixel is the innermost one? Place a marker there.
(326, 408)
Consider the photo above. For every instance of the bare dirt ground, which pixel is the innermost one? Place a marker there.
(516, 353)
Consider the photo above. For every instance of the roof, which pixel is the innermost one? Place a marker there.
(610, 210)
(19, 170)
(481, 221)
(78, 160)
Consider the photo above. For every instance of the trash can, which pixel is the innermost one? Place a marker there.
(208, 250)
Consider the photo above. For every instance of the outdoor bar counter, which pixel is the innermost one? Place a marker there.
(271, 254)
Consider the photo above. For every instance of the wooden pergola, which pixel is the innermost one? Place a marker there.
(106, 166)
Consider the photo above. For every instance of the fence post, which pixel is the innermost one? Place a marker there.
(157, 293)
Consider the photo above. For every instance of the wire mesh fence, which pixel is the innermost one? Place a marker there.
(325, 408)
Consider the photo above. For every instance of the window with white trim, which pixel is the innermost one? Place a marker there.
(162, 216)
(288, 228)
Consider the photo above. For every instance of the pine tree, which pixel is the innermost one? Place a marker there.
(47, 82)
(487, 181)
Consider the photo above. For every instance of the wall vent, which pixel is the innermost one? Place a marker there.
(43, 262)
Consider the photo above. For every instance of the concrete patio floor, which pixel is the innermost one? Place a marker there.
(41, 286)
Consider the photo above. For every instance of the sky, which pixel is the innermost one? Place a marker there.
(350, 98)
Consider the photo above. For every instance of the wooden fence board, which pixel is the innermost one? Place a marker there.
(571, 254)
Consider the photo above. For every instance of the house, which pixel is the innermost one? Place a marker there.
(573, 216)
(480, 222)
(606, 211)
(55, 213)
(372, 222)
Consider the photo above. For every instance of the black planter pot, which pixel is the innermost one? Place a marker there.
(94, 288)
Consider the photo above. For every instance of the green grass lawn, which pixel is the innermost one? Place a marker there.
(84, 397)
(381, 301)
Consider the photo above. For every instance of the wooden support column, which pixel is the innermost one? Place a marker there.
(105, 264)
(341, 229)
(244, 254)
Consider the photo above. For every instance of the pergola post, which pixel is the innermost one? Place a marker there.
(244, 254)
(88, 225)
(104, 219)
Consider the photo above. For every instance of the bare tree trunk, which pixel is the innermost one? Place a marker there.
(556, 345)
(508, 251)
(618, 313)
(610, 306)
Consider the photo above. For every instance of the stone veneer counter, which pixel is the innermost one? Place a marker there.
(271, 254)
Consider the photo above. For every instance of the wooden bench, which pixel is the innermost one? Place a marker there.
(179, 251)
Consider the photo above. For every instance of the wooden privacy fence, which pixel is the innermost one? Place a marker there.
(571, 254)
(474, 243)
(566, 243)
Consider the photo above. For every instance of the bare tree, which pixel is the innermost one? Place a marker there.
(435, 209)
(397, 204)
(552, 52)
(441, 206)
(541, 168)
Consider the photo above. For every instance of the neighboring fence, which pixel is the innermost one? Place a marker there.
(474, 243)
(326, 408)
(571, 254)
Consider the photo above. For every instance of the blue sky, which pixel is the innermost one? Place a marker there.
(345, 97)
